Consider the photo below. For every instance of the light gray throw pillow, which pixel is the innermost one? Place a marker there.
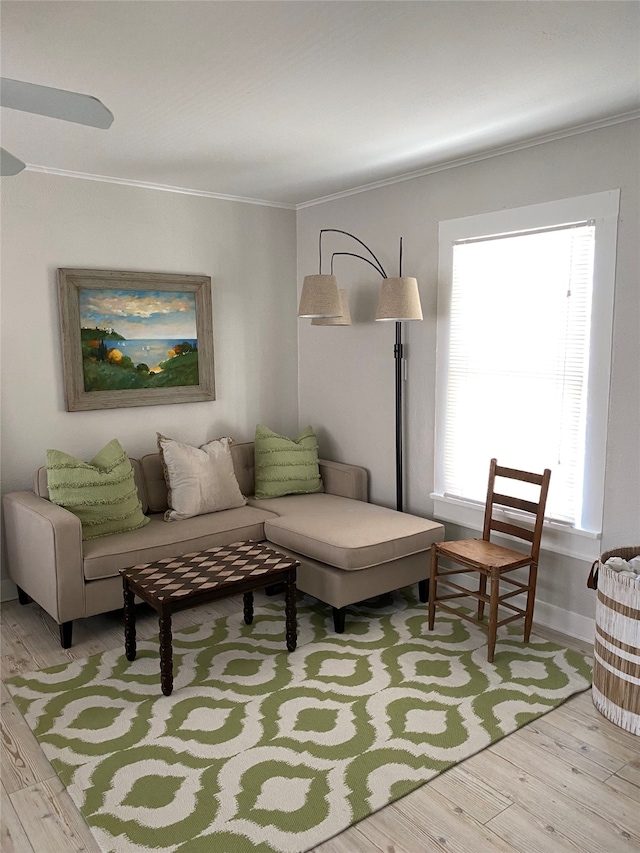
(199, 479)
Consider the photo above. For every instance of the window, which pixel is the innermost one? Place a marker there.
(524, 337)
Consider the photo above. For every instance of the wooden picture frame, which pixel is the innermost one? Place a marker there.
(135, 338)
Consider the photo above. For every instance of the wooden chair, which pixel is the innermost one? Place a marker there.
(493, 561)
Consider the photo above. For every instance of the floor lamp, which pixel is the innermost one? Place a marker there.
(326, 305)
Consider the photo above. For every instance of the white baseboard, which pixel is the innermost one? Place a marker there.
(565, 621)
(554, 617)
(8, 590)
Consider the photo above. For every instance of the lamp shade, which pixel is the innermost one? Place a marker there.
(345, 315)
(399, 300)
(319, 297)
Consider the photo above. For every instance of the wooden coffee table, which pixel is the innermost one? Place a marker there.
(176, 583)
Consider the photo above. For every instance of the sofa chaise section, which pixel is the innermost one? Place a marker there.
(350, 550)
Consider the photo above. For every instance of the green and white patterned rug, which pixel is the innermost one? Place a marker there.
(262, 750)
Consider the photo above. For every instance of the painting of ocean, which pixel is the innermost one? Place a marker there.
(151, 351)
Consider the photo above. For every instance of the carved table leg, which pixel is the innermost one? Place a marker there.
(247, 598)
(129, 622)
(166, 654)
(290, 610)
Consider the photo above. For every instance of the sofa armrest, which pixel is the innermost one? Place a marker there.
(44, 549)
(347, 481)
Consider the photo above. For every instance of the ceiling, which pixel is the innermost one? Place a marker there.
(288, 102)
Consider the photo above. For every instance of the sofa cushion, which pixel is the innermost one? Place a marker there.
(104, 557)
(199, 479)
(242, 454)
(154, 481)
(102, 492)
(345, 533)
(285, 466)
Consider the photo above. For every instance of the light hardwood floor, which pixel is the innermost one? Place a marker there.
(569, 781)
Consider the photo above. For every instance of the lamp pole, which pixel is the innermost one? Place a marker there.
(398, 353)
(398, 356)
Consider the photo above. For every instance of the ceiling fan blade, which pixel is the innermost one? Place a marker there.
(56, 103)
(9, 165)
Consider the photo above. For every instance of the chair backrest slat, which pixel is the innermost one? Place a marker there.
(512, 530)
(535, 510)
(516, 474)
(515, 503)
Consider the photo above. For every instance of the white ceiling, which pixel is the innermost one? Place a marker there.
(293, 101)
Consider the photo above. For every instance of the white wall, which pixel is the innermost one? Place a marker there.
(345, 375)
(249, 252)
(346, 379)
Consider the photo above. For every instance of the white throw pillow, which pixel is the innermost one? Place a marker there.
(199, 479)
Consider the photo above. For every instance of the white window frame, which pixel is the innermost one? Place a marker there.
(581, 541)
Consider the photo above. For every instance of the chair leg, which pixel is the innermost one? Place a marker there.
(531, 599)
(433, 585)
(423, 591)
(482, 589)
(493, 612)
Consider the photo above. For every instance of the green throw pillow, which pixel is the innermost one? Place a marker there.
(286, 466)
(102, 493)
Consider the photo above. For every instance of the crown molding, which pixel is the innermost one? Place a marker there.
(106, 179)
(407, 176)
(475, 158)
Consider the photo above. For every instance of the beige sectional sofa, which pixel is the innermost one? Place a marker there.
(349, 550)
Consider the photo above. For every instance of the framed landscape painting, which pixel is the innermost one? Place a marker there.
(135, 338)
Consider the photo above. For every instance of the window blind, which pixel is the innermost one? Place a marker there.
(518, 361)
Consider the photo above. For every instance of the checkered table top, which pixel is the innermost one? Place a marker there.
(189, 574)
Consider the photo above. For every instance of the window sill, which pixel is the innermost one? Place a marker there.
(556, 538)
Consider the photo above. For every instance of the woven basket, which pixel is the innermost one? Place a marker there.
(616, 665)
